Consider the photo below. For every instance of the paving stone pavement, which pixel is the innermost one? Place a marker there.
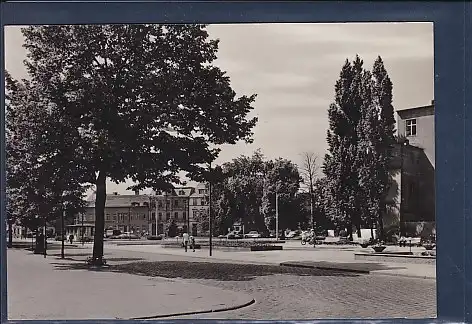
(285, 297)
(288, 297)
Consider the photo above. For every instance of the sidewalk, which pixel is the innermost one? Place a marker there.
(52, 289)
(344, 258)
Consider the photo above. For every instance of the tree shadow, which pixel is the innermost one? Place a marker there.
(205, 270)
(358, 267)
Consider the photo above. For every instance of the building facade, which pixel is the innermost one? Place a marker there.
(411, 198)
(150, 214)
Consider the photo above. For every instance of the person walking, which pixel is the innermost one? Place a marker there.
(185, 239)
(71, 238)
(192, 243)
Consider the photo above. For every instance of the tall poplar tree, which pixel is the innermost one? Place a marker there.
(383, 99)
(341, 162)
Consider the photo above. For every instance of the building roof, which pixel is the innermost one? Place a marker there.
(116, 200)
(429, 107)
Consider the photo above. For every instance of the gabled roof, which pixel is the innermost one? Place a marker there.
(122, 200)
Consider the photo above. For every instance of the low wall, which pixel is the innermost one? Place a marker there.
(389, 257)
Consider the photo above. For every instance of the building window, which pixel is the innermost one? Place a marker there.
(184, 215)
(144, 216)
(201, 191)
(176, 215)
(194, 202)
(411, 127)
(167, 216)
(176, 203)
(114, 217)
(153, 216)
(202, 202)
(108, 217)
(160, 216)
(181, 192)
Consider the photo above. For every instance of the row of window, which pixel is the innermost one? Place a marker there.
(176, 216)
(183, 193)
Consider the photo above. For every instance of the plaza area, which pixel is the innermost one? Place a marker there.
(227, 285)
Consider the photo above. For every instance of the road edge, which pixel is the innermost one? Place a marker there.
(216, 310)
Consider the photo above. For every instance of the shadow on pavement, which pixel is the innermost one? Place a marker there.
(205, 270)
(351, 266)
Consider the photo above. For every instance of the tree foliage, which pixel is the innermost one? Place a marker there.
(39, 183)
(246, 192)
(360, 139)
(139, 102)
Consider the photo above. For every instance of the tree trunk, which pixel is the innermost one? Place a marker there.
(100, 201)
(10, 234)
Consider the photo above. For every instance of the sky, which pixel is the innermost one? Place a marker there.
(293, 68)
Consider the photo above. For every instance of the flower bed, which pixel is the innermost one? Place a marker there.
(266, 248)
(227, 243)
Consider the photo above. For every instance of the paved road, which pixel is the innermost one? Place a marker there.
(288, 296)
(285, 296)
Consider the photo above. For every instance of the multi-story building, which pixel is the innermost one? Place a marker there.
(151, 214)
(199, 209)
(127, 213)
(168, 207)
(412, 195)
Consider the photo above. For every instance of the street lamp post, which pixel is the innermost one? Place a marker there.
(83, 230)
(45, 237)
(62, 229)
(188, 215)
(210, 213)
(277, 215)
(155, 213)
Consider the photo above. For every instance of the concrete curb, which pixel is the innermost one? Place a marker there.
(217, 310)
(359, 271)
(307, 266)
(375, 273)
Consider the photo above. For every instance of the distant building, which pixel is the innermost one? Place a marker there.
(412, 195)
(150, 214)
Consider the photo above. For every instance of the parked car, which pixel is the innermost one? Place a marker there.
(252, 234)
(293, 234)
(234, 235)
(155, 237)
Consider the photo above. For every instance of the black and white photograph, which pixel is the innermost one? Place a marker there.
(222, 171)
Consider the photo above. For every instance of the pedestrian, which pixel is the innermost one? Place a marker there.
(192, 243)
(185, 239)
(71, 238)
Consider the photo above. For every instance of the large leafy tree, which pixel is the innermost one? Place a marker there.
(140, 102)
(39, 183)
(282, 182)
